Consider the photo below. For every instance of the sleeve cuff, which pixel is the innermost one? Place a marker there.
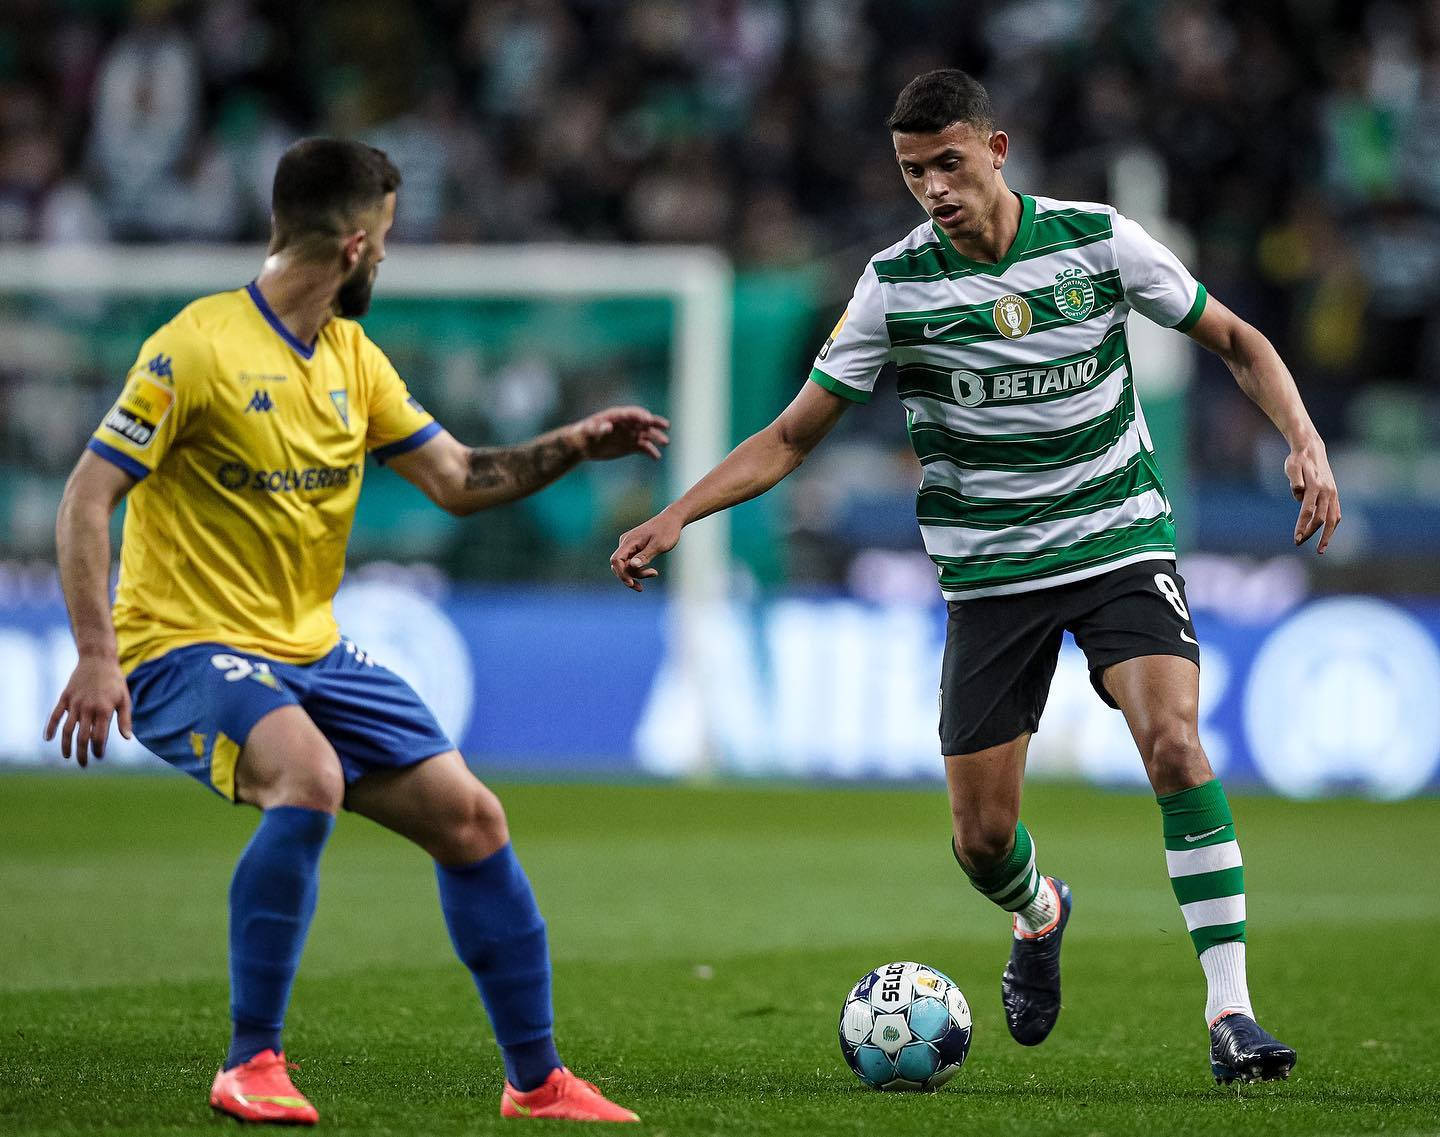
(390, 450)
(1197, 309)
(835, 387)
(118, 458)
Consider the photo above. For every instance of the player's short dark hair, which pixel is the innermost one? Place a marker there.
(323, 184)
(931, 102)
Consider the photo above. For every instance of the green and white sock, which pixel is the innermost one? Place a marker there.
(1208, 877)
(1017, 886)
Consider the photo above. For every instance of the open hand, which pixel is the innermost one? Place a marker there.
(1313, 485)
(631, 560)
(96, 691)
(618, 431)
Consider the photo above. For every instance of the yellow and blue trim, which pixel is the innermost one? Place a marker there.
(305, 352)
(118, 458)
(411, 442)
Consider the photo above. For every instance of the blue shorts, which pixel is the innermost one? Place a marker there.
(194, 707)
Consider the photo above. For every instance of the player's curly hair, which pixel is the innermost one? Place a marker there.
(323, 184)
(932, 101)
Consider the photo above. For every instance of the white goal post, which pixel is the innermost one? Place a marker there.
(699, 282)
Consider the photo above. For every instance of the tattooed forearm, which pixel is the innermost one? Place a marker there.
(514, 471)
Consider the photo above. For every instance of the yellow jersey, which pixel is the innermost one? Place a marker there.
(250, 447)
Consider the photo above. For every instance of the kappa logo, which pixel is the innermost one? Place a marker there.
(160, 366)
(260, 401)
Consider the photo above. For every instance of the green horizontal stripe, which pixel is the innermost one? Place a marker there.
(1151, 534)
(940, 505)
(835, 387)
(1035, 451)
(1054, 232)
(1021, 895)
(1064, 229)
(924, 380)
(1206, 938)
(975, 323)
(1194, 810)
(1072, 220)
(919, 316)
(928, 262)
(1209, 885)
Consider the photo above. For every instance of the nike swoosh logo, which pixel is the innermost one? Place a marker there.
(522, 1110)
(1193, 837)
(930, 333)
(1188, 638)
(292, 1103)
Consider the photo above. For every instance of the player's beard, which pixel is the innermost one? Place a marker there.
(353, 299)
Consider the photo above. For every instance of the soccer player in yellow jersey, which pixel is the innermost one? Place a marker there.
(240, 439)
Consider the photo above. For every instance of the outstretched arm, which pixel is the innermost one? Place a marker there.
(462, 479)
(1263, 376)
(753, 467)
(97, 688)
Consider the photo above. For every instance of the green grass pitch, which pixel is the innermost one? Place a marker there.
(704, 939)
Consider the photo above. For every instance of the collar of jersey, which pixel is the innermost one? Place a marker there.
(280, 329)
(1018, 246)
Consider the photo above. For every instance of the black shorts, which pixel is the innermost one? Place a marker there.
(1001, 651)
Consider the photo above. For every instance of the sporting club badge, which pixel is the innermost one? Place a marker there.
(1012, 316)
(1074, 294)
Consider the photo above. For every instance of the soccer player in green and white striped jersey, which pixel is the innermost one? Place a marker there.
(1043, 509)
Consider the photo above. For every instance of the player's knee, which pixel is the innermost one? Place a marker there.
(1174, 757)
(313, 782)
(476, 829)
(322, 787)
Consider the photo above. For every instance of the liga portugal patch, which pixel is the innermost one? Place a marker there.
(140, 410)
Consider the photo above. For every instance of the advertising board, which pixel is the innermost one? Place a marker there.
(1338, 695)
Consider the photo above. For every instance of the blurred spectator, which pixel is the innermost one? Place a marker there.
(146, 116)
(1300, 144)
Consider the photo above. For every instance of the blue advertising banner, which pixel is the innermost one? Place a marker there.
(1338, 695)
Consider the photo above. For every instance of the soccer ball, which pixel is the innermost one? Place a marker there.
(905, 1026)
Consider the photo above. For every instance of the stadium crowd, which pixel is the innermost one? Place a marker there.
(1301, 139)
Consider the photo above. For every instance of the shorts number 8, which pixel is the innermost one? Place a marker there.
(1171, 591)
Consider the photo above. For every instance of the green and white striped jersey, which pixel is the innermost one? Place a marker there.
(1016, 380)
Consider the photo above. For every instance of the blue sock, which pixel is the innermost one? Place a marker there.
(498, 934)
(272, 898)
